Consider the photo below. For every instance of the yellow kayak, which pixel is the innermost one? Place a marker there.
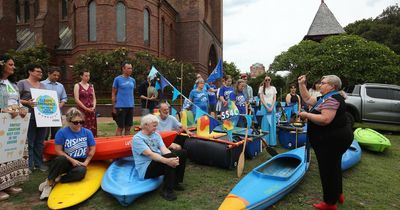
(66, 195)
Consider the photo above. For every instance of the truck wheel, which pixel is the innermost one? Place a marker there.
(350, 119)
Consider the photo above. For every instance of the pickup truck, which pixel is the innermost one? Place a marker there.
(375, 103)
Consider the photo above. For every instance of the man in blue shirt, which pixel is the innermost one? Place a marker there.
(51, 83)
(122, 96)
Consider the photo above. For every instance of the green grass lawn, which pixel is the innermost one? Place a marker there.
(372, 184)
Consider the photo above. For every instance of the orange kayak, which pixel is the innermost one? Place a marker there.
(110, 147)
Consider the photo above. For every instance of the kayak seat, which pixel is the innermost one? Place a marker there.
(280, 168)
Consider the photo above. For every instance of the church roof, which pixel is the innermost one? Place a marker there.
(324, 23)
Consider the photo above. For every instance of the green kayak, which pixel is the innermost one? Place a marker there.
(371, 139)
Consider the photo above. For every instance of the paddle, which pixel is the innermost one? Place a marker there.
(240, 165)
(269, 149)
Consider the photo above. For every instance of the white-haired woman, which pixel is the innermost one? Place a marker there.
(329, 135)
(153, 158)
(75, 147)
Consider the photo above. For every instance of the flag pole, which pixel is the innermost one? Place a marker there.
(181, 84)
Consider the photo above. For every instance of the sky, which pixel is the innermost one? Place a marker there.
(255, 31)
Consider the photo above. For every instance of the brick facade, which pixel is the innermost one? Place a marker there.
(192, 29)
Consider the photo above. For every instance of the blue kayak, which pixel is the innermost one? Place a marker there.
(122, 181)
(352, 156)
(268, 183)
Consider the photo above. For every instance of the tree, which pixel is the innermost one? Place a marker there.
(232, 70)
(384, 29)
(354, 59)
(36, 55)
(105, 66)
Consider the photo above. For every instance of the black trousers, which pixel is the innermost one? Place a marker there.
(172, 176)
(330, 169)
(61, 165)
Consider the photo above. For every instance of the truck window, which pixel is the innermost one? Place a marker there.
(374, 92)
(395, 94)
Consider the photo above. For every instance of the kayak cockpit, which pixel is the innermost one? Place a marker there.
(280, 168)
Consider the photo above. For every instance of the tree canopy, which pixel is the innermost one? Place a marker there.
(354, 59)
(231, 69)
(384, 29)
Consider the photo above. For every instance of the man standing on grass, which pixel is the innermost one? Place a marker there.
(122, 97)
(51, 83)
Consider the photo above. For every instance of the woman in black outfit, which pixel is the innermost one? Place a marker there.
(329, 136)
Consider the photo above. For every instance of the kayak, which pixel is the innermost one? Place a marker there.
(110, 147)
(371, 139)
(268, 183)
(122, 181)
(65, 195)
(352, 156)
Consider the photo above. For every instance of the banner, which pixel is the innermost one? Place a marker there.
(47, 110)
(13, 134)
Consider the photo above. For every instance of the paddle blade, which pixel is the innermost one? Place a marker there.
(269, 149)
(240, 165)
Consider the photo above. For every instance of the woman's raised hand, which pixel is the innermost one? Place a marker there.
(302, 79)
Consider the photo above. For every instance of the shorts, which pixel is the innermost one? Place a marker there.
(212, 107)
(124, 117)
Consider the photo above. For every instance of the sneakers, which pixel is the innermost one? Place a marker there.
(43, 168)
(4, 196)
(324, 206)
(179, 187)
(168, 195)
(42, 185)
(46, 192)
(13, 190)
(341, 198)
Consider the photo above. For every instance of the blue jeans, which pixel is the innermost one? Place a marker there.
(36, 137)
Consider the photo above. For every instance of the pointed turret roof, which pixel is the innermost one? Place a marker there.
(324, 24)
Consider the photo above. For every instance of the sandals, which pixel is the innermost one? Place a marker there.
(3, 196)
(13, 190)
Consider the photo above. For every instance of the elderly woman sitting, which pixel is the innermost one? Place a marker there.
(153, 158)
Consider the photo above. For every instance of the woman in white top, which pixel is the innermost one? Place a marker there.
(267, 94)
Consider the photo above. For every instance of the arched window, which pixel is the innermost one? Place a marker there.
(146, 27)
(18, 11)
(92, 21)
(121, 22)
(162, 35)
(27, 13)
(36, 8)
(64, 9)
(171, 38)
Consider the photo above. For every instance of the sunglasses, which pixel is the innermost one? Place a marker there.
(268, 80)
(78, 122)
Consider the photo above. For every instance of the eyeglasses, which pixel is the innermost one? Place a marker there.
(78, 122)
(323, 83)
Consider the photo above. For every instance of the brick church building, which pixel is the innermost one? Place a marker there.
(184, 30)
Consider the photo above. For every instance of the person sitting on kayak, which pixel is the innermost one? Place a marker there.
(75, 147)
(170, 123)
(153, 158)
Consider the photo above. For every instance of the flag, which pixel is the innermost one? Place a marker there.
(164, 82)
(248, 120)
(158, 87)
(199, 113)
(175, 95)
(213, 123)
(217, 73)
(152, 73)
(173, 112)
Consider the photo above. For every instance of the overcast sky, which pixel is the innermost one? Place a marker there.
(255, 31)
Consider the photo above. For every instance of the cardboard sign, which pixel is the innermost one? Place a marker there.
(13, 134)
(47, 110)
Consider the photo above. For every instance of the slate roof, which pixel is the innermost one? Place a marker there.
(324, 23)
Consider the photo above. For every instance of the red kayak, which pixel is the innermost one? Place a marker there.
(110, 147)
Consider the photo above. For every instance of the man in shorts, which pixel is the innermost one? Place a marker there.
(122, 96)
